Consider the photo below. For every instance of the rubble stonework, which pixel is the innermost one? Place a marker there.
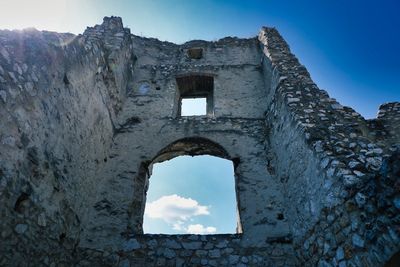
(83, 118)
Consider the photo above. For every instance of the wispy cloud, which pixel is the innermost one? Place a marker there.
(176, 211)
(199, 229)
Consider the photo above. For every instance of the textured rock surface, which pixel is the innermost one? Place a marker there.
(83, 118)
(334, 166)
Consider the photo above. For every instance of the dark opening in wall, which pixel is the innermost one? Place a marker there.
(195, 53)
(21, 202)
(198, 87)
(394, 261)
(65, 79)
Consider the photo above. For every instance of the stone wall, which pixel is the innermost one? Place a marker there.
(85, 117)
(385, 129)
(149, 123)
(59, 95)
(331, 167)
(189, 250)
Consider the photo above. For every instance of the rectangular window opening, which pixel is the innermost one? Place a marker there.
(195, 95)
(194, 106)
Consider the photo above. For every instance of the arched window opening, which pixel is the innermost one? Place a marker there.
(191, 195)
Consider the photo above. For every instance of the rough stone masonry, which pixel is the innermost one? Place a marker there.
(83, 119)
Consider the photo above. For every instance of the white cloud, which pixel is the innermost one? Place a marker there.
(175, 209)
(200, 229)
(178, 226)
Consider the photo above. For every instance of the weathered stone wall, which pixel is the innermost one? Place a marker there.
(59, 94)
(83, 118)
(189, 250)
(149, 123)
(331, 168)
(385, 129)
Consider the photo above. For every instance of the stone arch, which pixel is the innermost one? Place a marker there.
(189, 146)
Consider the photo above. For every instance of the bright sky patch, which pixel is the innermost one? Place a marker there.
(175, 208)
(199, 229)
(191, 195)
(194, 106)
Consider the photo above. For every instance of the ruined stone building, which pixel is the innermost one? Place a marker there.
(84, 118)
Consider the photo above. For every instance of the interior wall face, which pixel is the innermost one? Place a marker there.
(236, 124)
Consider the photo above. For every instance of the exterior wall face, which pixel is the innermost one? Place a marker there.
(85, 117)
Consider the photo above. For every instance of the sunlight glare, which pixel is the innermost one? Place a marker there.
(40, 14)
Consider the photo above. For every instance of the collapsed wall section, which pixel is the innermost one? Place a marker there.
(59, 95)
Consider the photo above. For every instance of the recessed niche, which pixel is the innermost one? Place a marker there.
(195, 53)
(144, 88)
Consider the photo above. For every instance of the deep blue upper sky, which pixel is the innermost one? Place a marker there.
(349, 47)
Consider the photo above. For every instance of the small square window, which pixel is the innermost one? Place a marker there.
(194, 106)
(195, 53)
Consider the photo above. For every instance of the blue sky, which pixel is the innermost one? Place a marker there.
(351, 49)
(191, 195)
(194, 106)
